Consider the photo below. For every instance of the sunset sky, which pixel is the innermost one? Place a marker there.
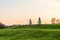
(20, 11)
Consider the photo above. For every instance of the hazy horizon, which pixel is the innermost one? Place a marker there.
(20, 11)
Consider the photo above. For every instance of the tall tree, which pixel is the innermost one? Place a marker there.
(53, 20)
(30, 22)
(57, 21)
(2, 25)
(39, 20)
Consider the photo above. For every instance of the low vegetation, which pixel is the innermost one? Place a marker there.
(32, 32)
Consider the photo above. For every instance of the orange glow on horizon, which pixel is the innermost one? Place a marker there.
(22, 21)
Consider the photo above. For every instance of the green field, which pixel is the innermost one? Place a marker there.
(34, 32)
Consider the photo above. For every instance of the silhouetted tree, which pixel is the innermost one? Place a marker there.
(53, 20)
(30, 22)
(57, 21)
(39, 21)
(2, 25)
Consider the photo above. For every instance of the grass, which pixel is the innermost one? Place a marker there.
(34, 32)
(42, 26)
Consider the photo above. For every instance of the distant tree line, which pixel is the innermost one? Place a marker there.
(39, 21)
(55, 21)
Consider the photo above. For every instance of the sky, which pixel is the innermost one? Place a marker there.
(20, 11)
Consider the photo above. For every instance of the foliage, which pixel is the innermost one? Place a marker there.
(30, 22)
(2, 25)
(39, 20)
